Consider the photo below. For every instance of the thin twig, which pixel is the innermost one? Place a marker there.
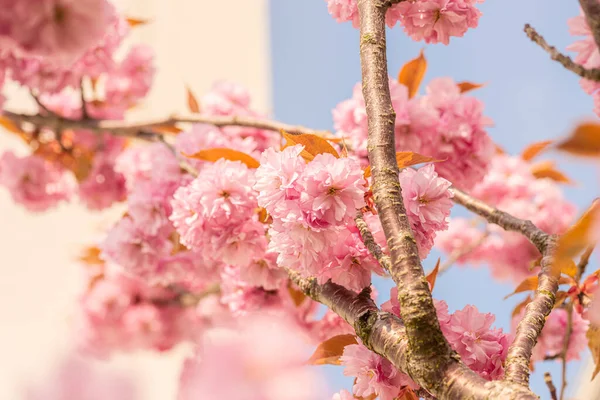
(133, 129)
(565, 348)
(369, 241)
(84, 110)
(566, 61)
(583, 263)
(550, 384)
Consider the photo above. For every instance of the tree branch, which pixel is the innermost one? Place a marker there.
(566, 61)
(369, 241)
(550, 384)
(128, 129)
(591, 9)
(530, 327)
(385, 334)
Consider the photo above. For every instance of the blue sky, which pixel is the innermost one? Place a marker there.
(315, 64)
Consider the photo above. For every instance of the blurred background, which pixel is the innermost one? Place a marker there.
(298, 64)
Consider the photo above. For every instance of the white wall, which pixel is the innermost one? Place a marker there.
(197, 42)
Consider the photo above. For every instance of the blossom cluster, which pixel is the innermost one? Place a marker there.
(443, 123)
(511, 187)
(432, 21)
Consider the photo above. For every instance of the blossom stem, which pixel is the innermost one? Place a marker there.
(550, 384)
(566, 61)
(369, 241)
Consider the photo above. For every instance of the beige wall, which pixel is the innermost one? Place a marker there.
(197, 42)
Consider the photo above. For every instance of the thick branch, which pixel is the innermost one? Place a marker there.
(566, 61)
(429, 359)
(385, 334)
(591, 9)
(530, 327)
(121, 128)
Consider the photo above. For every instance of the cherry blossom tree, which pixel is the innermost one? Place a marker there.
(239, 228)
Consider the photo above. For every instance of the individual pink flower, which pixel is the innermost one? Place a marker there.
(374, 374)
(481, 348)
(34, 182)
(351, 265)
(149, 162)
(149, 205)
(264, 272)
(262, 359)
(344, 10)
(103, 186)
(333, 188)
(221, 198)
(551, 341)
(132, 79)
(435, 21)
(329, 326)
(59, 28)
(74, 378)
(427, 201)
(277, 178)
(136, 251)
(588, 54)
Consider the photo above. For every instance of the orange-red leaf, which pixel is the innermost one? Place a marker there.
(263, 216)
(412, 74)
(91, 256)
(407, 394)
(297, 296)
(531, 283)
(406, 159)
(577, 238)
(547, 169)
(561, 296)
(583, 141)
(531, 151)
(167, 129)
(432, 276)
(133, 22)
(330, 351)
(192, 103)
(593, 336)
(499, 150)
(520, 306)
(216, 154)
(468, 86)
(313, 145)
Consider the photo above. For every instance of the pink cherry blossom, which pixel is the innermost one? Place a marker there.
(74, 378)
(59, 28)
(333, 188)
(132, 79)
(462, 234)
(588, 54)
(344, 10)
(265, 358)
(149, 162)
(264, 272)
(482, 348)
(427, 201)
(136, 251)
(103, 186)
(435, 21)
(33, 182)
(374, 374)
(277, 178)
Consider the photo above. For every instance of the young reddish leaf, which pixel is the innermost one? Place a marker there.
(531, 151)
(91, 256)
(313, 145)
(297, 296)
(584, 141)
(499, 150)
(531, 283)
(433, 275)
(468, 86)
(593, 336)
(520, 306)
(133, 22)
(330, 351)
(167, 129)
(547, 169)
(216, 154)
(407, 394)
(192, 103)
(406, 159)
(577, 238)
(263, 216)
(412, 74)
